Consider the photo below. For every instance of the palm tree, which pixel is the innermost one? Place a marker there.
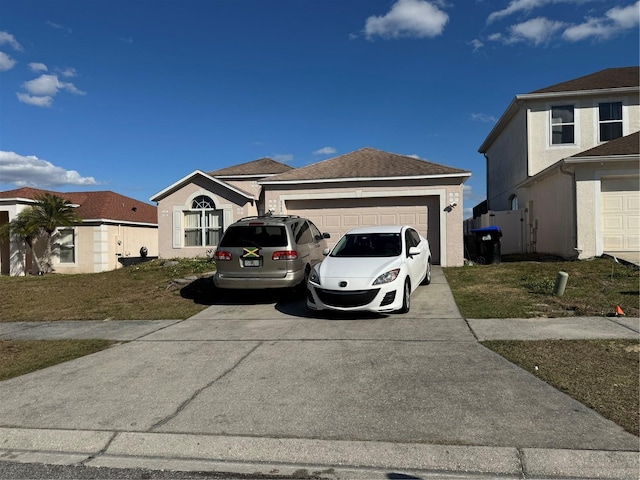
(23, 227)
(48, 213)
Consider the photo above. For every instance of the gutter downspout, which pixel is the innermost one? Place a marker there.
(574, 224)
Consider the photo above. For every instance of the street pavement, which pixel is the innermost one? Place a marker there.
(260, 384)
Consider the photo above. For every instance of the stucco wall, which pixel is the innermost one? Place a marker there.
(98, 247)
(586, 116)
(441, 192)
(507, 163)
(551, 210)
(233, 205)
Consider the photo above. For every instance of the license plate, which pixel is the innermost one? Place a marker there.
(251, 262)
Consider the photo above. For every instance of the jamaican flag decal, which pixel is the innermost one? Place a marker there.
(250, 252)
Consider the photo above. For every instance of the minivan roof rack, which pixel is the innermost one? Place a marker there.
(268, 215)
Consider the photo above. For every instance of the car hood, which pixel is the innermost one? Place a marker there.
(358, 272)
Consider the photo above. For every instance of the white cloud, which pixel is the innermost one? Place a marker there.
(476, 44)
(6, 62)
(38, 67)
(325, 151)
(35, 101)
(536, 31)
(471, 198)
(57, 26)
(283, 158)
(41, 90)
(7, 38)
(517, 6)
(69, 72)
(408, 18)
(484, 118)
(615, 21)
(31, 171)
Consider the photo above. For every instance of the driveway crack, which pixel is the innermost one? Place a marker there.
(186, 403)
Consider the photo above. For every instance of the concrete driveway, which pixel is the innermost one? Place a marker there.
(261, 384)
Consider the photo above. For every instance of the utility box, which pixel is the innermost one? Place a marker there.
(487, 241)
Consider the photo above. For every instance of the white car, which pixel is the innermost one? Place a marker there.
(371, 269)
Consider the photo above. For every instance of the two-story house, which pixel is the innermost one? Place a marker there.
(563, 168)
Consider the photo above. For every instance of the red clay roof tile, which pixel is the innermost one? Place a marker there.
(105, 205)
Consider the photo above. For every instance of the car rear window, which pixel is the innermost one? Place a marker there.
(255, 235)
(368, 245)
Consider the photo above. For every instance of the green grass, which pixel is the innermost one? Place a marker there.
(524, 289)
(21, 357)
(601, 374)
(137, 292)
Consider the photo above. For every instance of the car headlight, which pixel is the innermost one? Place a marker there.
(314, 277)
(387, 277)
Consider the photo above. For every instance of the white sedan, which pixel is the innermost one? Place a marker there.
(371, 269)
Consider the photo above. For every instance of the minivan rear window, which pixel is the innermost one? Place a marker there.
(254, 235)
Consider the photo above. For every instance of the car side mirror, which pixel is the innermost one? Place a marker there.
(326, 235)
(414, 251)
(326, 251)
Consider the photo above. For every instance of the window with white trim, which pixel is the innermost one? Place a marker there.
(562, 125)
(66, 242)
(202, 224)
(610, 121)
(513, 200)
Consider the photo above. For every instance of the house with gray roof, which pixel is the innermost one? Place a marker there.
(563, 170)
(364, 187)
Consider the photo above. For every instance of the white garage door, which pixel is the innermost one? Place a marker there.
(337, 216)
(621, 214)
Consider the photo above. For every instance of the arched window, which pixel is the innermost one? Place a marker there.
(202, 223)
(513, 200)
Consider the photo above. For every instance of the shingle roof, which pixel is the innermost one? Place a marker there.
(96, 205)
(604, 79)
(629, 145)
(367, 163)
(262, 166)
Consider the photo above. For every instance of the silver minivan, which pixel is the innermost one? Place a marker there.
(268, 251)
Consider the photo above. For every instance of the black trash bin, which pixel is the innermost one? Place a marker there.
(488, 244)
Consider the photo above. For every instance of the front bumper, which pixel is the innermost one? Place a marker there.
(381, 299)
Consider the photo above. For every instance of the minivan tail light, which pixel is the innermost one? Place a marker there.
(222, 255)
(284, 255)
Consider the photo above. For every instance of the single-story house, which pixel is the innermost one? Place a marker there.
(113, 227)
(363, 187)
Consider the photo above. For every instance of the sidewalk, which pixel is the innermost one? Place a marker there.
(566, 328)
(269, 388)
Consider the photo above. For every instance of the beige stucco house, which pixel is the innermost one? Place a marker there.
(364, 187)
(113, 228)
(563, 170)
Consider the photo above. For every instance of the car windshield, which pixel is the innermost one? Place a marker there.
(368, 245)
(254, 235)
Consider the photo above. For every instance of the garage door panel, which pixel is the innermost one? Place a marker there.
(620, 208)
(336, 217)
(612, 203)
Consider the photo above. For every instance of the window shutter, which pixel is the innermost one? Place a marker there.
(177, 229)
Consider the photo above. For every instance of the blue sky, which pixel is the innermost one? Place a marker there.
(131, 96)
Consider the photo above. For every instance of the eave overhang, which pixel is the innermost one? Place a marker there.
(187, 179)
(464, 175)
